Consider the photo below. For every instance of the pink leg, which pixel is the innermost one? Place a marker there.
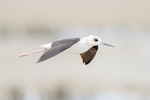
(33, 52)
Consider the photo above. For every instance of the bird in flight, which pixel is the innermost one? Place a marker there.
(86, 47)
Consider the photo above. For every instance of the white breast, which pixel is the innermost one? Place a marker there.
(80, 47)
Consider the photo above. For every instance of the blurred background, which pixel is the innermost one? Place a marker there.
(120, 73)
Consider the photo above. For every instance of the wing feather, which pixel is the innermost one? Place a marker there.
(88, 56)
(58, 47)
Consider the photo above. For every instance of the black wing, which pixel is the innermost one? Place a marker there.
(88, 56)
(58, 47)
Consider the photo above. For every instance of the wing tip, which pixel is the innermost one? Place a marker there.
(39, 61)
(85, 63)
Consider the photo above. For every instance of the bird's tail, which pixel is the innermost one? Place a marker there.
(33, 52)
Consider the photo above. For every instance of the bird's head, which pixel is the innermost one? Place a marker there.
(95, 40)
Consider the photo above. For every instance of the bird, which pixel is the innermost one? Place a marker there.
(86, 47)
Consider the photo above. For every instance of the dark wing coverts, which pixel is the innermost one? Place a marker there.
(58, 47)
(88, 56)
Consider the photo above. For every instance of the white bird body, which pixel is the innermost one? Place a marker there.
(80, 47)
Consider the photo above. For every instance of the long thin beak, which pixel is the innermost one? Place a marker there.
(107, 44)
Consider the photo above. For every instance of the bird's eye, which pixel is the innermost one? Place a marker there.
(95, 39)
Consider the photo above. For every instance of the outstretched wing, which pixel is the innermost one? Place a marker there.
(88, 56)
(58, 47)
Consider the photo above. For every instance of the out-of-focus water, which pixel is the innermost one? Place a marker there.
(120, 73)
